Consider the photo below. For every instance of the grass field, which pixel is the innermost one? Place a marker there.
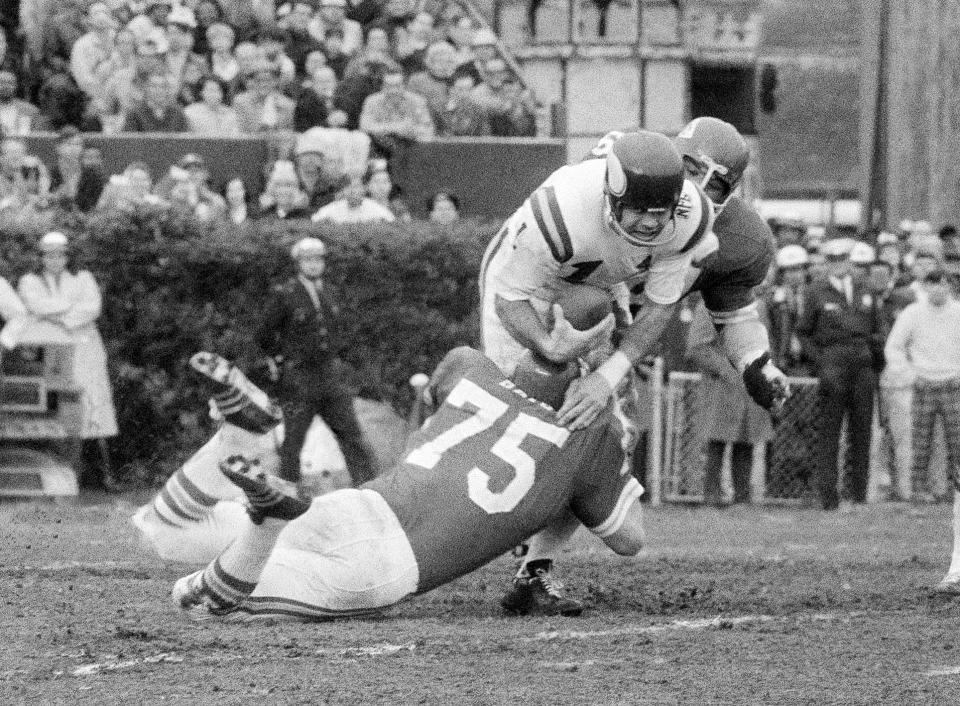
(738, 606)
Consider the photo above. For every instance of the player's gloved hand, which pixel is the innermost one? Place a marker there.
(766, 383)
(585, 399)
(566, 343)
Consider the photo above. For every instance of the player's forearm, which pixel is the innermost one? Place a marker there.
(638, 340)
(744, 339)
(648, 325)
(524, 324)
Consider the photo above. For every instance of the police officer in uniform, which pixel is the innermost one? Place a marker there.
(836, 331)
(295, 333)
(785, 303)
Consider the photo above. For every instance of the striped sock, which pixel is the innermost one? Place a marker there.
(182, 502)
(222, 588)
(232, 576)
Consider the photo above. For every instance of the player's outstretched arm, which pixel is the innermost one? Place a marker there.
(588, 396)
(747, 345)
(562, 343)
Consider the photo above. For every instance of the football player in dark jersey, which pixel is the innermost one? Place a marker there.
(489, 468)
(715, 157)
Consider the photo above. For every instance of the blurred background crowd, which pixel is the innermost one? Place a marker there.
(340, 90)
(831, 303)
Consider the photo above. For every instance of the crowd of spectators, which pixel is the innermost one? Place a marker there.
(832, 303)
(265, 65)
(397, 71)
(314, 182)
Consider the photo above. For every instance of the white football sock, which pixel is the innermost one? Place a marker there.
(233, 575)
(546, 543)
(191, 492)
(954, 571)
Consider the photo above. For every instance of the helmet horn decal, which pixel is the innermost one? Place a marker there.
(616, 177)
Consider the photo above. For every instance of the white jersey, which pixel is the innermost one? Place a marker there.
(560, 237)
(560, 234)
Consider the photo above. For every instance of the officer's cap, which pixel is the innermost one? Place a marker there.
(886, 238)
(837, 248)
(53, 241)
(792, 256)
(306, 247)
(862, 254)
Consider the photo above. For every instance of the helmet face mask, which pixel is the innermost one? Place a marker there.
(715, 179)
(715, 156)
(642, 188)
(638, 227)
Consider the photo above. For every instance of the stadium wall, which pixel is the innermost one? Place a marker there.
(491, 176)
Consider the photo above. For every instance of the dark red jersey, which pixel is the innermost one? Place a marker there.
(728, 276)
(491, 467)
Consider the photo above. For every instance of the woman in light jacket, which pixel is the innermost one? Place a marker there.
(73, 301)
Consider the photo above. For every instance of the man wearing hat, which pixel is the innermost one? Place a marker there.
(836, 331)
(297, 333)
(785, 303)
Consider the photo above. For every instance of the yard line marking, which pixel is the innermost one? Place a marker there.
(942, 672)
(97, 667)
(369, 651)
(57, 566)
(700, 624)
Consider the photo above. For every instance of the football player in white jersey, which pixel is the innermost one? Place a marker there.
(613, 223)
(625, 221)
(535, 587)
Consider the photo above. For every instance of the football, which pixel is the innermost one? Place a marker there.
(584, 305)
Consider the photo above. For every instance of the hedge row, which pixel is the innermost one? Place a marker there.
(171, 286)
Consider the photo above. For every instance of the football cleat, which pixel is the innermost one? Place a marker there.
(191, 595)
(949, 586)
(539, 594)
(241, 403)
(269, 495)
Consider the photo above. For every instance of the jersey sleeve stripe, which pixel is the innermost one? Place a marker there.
(492, 249)
(546, 212)
(554, 207)
(631, 492)
(705, 210)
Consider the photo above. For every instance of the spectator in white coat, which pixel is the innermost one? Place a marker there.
(72, 301)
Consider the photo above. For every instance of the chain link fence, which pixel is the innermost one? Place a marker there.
(783, 470)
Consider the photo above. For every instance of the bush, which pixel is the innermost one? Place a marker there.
(171, 287)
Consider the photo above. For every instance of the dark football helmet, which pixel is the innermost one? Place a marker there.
(715, 157)
(644, 180)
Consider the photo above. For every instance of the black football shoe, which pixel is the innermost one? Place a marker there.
(269, 496)
(241, 403)
(539, 593)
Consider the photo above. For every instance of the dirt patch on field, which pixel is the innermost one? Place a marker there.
(752, 606)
